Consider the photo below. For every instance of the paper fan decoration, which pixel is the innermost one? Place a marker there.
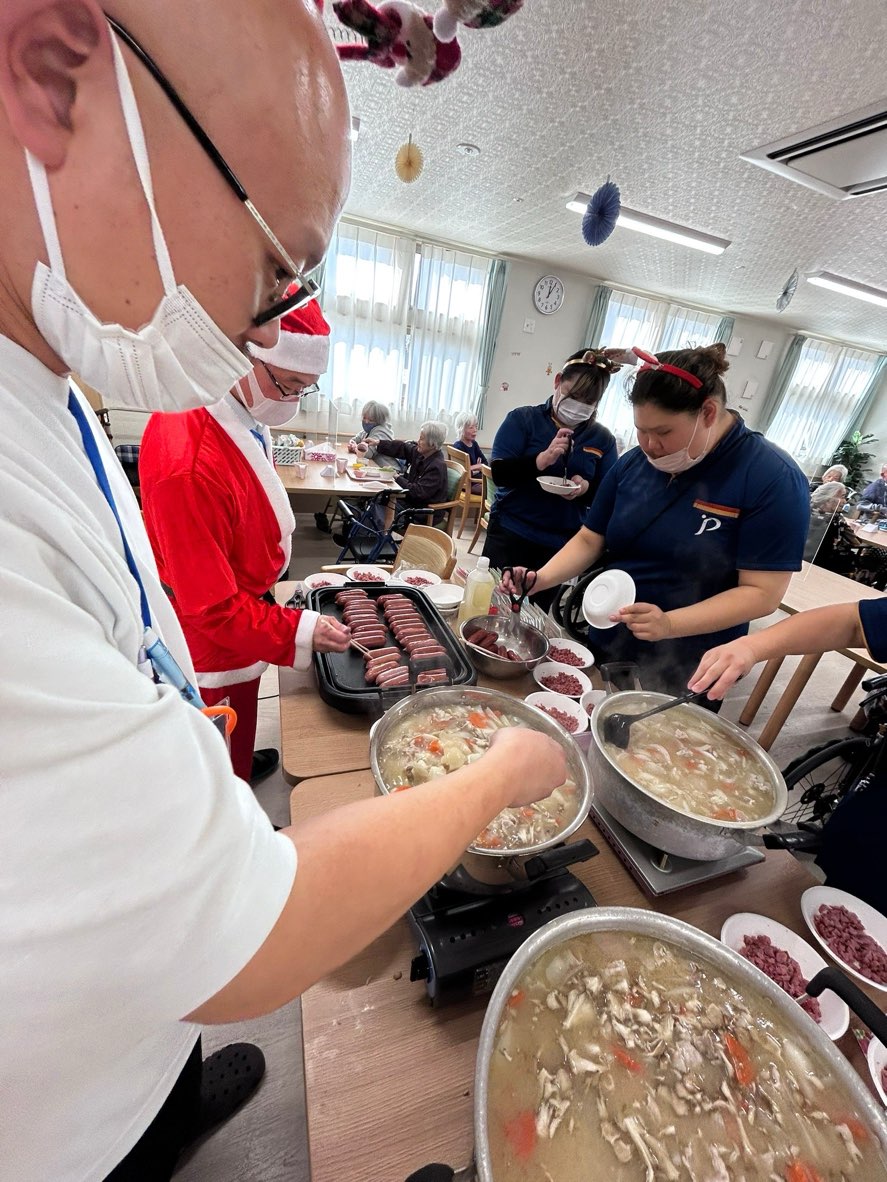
(785, 296)
(599, 220)
(409, 162)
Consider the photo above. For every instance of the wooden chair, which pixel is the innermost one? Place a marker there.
(423, 548)
(457, 484)
(470, 499)
(488, 496)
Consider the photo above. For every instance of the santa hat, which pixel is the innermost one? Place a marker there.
(304, 344)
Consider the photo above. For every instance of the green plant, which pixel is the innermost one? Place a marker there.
(849, 453)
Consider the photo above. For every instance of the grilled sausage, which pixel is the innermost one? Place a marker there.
(399, 675)
(390, 651)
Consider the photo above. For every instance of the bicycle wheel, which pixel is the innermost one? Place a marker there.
(820, 779)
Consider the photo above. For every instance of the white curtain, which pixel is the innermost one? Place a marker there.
(448, 301)
(685, 328)
(820, 401)
(366, 291)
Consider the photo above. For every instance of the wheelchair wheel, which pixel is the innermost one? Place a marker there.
(819, 780)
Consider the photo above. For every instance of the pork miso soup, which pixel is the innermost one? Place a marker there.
(694, 766)
(620, 1059)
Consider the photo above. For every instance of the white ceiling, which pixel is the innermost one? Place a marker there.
(662, 95)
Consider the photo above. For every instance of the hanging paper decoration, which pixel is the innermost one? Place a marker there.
(785, 296)
(599, 219)
(409, 162)
(474, 14)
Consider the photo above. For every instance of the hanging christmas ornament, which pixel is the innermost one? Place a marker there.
(785, 296)
(599, 219)
(409, 162)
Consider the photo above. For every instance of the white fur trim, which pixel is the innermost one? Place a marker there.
(304, 636)
(300, 352)
(232, 676)
(233, 419)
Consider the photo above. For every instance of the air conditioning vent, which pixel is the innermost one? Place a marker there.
(846, 157)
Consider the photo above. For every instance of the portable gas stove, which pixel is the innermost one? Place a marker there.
(466, 937)
(659, 873)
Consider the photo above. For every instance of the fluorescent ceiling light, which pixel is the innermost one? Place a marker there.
(355, 129)
(644, 223)
(859, 291)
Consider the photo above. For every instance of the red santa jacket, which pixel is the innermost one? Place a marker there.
(220, 526)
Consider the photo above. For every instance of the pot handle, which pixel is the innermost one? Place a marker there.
(558, 857)
(862, 1006)
(796, 839)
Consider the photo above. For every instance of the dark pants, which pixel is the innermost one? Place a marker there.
(153, 1157)
(244, 700)
(504, 548)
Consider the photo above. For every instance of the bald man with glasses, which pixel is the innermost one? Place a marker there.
(156, 224)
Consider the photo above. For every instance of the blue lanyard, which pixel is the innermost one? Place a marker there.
(260, 439)
(164, 664)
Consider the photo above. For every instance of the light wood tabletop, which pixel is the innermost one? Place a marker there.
(335, 485)
(868, 537)
(809, 588)
(389, 1080)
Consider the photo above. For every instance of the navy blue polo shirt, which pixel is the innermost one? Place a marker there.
(745, 507)
(873, 617)
(542, 517)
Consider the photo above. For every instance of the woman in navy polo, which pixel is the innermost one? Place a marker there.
(708, 517)
(559, 437)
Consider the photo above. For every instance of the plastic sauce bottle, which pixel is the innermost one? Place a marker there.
(479, 588)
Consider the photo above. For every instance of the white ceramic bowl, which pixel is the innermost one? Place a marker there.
(555, 485)
(550, 669)
(425, 579)
(605, 595)
(380, 576)
(446, 597)
(835, 1012)
(876, 1057)
(873, 922)
(591, 699)
(546, 700)
(573, 646)
(325, 579)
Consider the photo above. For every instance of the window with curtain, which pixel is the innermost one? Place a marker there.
(649, 324)
(407, 320)
(821, 400)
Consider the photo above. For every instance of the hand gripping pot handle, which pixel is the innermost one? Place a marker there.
(862, 1006)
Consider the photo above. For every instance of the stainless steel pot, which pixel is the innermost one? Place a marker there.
(479, 868)
(690, 940)
(664, 827)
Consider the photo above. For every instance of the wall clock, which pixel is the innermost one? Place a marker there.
(548, 294)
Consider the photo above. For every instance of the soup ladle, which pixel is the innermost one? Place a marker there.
(617, 727)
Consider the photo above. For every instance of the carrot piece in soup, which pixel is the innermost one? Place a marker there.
(739, 1057)
(725, 814)
(476, 719)
(626, 1060)
(799, 1171)
(516, 999)
(521, 1134)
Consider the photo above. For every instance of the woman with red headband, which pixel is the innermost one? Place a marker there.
(708, 517)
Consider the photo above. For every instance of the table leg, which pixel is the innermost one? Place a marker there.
(762, 686)
(786, 703)
(848, 689)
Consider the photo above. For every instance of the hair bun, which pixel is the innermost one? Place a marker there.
(718, 354)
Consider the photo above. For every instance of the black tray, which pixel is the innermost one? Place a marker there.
(340, 676)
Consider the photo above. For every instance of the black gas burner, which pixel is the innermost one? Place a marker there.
(466, 939)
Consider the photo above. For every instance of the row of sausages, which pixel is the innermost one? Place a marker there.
(384, 667)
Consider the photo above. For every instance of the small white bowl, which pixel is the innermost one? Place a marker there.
(873, 922)
(591, 699)
(876, 1057)
(379, 575)
(324, 579)
(546, 700)
(835, 1012)
(550, 669)
(426, 579)
(573, 646)
(446, 597)
(555, 484)
(605, 595)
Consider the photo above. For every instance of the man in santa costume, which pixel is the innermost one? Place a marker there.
(221, 526)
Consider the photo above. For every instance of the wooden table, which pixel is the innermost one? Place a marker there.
(876, 537)
(809, 588)
(389, 1080)
(333, 486)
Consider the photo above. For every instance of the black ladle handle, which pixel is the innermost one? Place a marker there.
(435, 1172)
(688, 697)
(862, 1006)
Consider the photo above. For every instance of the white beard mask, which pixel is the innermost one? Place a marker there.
(180, 359)
(266, 410)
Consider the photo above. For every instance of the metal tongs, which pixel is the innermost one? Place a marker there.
(523, 585)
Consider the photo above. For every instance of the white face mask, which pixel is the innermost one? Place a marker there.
(573, 413)
(680, 461)
(179, 360)
(266, 410)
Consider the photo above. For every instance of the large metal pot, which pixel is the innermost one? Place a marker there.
(749, 980)
(479, 867)
(664, 827)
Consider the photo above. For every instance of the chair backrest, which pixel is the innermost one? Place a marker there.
(457, 478)
(458, 456)
(489, 488)
(426, 548)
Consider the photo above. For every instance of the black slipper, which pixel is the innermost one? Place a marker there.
(265, 761)
(230, 1077)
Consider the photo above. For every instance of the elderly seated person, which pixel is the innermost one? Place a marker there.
(375, 424)
(425, 477)
(828, 497)
(836, 474)
(467, 442)
(876, 492)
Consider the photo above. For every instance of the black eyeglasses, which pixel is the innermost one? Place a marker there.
(288, 394)
(307, 289)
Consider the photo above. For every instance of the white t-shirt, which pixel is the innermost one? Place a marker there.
(138, 875)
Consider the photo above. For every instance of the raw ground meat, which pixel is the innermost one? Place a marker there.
(565, 656)
(562, 683)
(417, 581)
(842, 930)
(781, 968)
(567, 721)
(367, 576)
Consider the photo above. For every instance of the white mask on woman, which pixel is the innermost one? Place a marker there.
(180, 359)
(573, 413)
(681, 461)
(266, 410)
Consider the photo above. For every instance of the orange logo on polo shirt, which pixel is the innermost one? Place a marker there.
(712, 515)
(593, 451)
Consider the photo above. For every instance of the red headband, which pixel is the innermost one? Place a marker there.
(651, 361)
